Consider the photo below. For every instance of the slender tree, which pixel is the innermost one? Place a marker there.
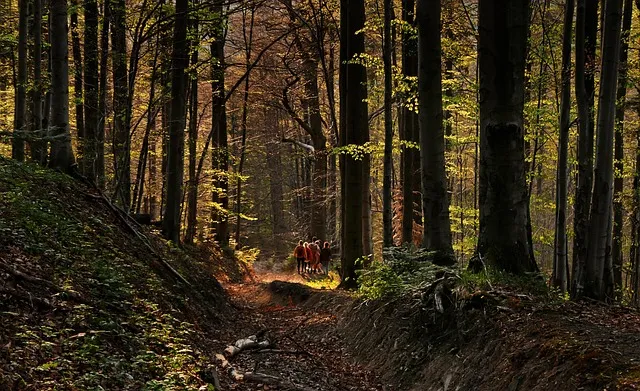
(61, 156)
(387, 213)
(597, 283)
(17, 147)
(91, 109)
(38, 147)
(175, 158)
(409, 128)
(621, 94)
(121, 138)
(503, 241)
(192, 191)
(435, 198)
(77, 80)
(560, 255)
(102, 92)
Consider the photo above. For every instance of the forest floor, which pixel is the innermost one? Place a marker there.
(307, 352)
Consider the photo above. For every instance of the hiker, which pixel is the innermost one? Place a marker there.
(300, 254)
(315, 250)
(308, 256)
(325, 256)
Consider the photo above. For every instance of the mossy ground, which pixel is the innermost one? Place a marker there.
(110, 317)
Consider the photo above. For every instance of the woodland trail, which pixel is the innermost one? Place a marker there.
(310, 354)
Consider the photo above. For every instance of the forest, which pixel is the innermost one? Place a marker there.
(488, 139)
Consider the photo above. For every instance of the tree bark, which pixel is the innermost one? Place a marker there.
(387, 213)
(219, 150)
(560, 258)
(192, 192)
(38, 148)
(503, 241)
(175, 158)
(91, 113)
(618, 208)
(102, 97)
(435, 198)
(409, 131)
(121, 138)
(586, 36)
(17, 146)
(77, 81)
(596, 283)
(353, 91)
(61, 157)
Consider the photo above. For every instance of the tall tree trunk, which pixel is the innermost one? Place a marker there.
(409, 130)
(560, 256)
(192, 192)
(387, 213)
(61, 153)
(220, 153)
(435, 199)
(248, 41)
(616, 248)
(38, 147)
(175, 158)
(17, 146)
(586, 36)
(635, 218)
(596, 283)
(354, 114)
(90, 157)
(503, 242)
(121, 138)
(274, 164)
(77, 81)
(102, 97)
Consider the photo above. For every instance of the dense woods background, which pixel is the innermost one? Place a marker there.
(511, 125)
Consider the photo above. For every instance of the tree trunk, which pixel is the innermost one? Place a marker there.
(387, 213)
(38, 148)
(61, 153)
(560, 258)
(121, 138)
(409, 131)
(89, 158)
(602, 197)
(353, 92)
(435, 199)
(219, 150)
(274, 166)
(192, 192)
(17, 146)
(635, 218)
(175, 158)
(77, 81)
(586, 36)
(102, 98)
(618, 209)
(248, 41)
(503, 241)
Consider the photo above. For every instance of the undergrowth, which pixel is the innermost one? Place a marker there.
(407, 269)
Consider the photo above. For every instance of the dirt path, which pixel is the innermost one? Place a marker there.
(311, 356)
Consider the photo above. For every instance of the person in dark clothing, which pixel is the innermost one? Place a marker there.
(325, 256)
(300, 253)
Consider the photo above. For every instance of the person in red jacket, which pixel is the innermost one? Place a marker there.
(300, 254)
(308, 257)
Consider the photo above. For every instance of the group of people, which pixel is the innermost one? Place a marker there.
(312, 257)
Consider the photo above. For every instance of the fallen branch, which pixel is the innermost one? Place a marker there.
(39, 281)
(135, 227)
(280, 351)
(249, 343)
(26, 297)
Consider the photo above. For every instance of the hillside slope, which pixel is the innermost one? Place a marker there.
(85, 303)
